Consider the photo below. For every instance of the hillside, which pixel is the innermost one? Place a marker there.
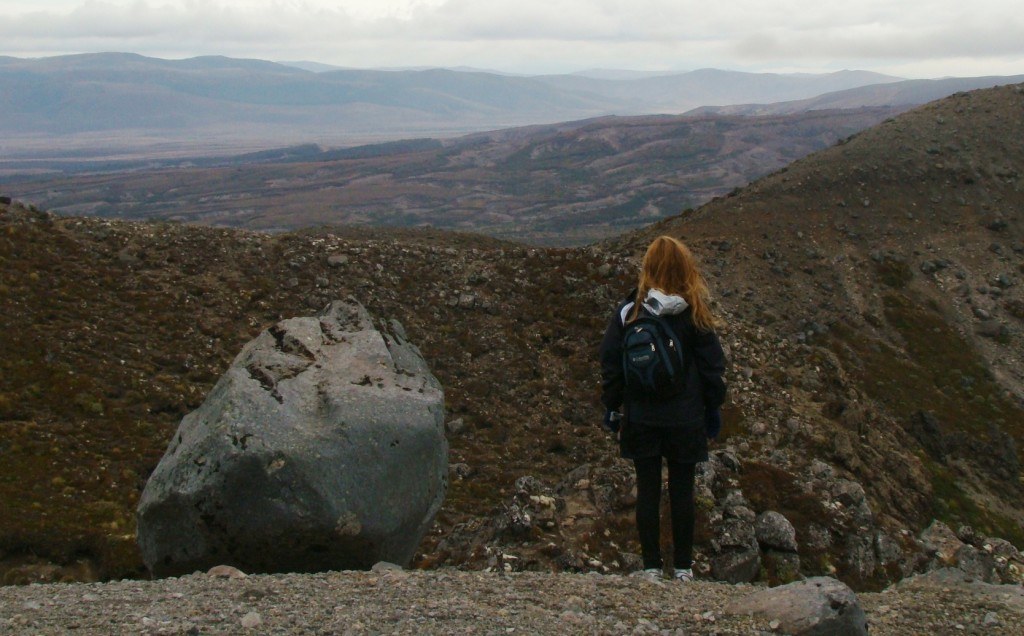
(894, 261)
(872, 297)
(562, 184)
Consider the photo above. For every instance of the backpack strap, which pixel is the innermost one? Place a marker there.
(628, 307)
(683, 344)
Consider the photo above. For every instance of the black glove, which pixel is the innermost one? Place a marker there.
(712, 422)
(612, 421)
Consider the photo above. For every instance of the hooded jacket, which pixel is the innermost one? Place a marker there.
(705, 386)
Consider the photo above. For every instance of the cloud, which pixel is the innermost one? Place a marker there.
(527, 34)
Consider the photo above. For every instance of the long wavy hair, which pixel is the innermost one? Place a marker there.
(670, 267)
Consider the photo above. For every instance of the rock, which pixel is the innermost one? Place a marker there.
(251, 620)
(860, 556)
(226, 572)
(513, 522)
(1008, 560)
(887, 549)
(322, 447)
(735, 533)
(849, 493)
(741, 566)
(941, 542)
(990, 329)
(741, 513)
(816, 538)
(781, 567)
(456, 426)
(821, 470)
(737, 558)
(981, 313)
(529, 485)
(728, 460)
(337, 260)
(773, 530)
(817, 606)
(976, 564)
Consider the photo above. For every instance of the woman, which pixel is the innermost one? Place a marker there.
(676, 428)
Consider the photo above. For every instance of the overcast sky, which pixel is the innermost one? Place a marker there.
(909, 38)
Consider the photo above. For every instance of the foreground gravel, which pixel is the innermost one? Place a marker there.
(456, 602)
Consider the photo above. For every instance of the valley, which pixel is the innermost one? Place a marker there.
(565, 184)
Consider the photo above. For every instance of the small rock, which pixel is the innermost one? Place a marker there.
(384, 566)
(990, 329)
(251, 620)
(821, 470)
(226, 572)
(456, 426)
(773, 530)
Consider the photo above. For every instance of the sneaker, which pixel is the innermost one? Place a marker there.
(651, 574)
(683, 576)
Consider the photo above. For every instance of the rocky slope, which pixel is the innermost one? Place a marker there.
(891, 264)
(871, 392)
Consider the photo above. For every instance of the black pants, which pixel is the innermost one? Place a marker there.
(648, 510)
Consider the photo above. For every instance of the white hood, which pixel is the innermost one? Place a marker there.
(659, 304)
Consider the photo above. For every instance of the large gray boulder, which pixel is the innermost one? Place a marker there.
(819, 606)
(322, 447)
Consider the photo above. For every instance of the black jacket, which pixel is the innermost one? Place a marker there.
(705, 386)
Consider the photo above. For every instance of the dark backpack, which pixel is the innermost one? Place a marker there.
(654, 361)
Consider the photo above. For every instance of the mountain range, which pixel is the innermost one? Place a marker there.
(113, 103)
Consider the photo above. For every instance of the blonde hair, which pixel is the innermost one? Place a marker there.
(670, 267)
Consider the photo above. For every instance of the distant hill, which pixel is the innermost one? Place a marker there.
(112, 103)
(682, 92)
(561, 184)
(905, 93)
(117, 98)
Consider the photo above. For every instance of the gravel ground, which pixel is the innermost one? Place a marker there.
(456, 602)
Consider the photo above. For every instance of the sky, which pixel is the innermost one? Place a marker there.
(907, 38)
